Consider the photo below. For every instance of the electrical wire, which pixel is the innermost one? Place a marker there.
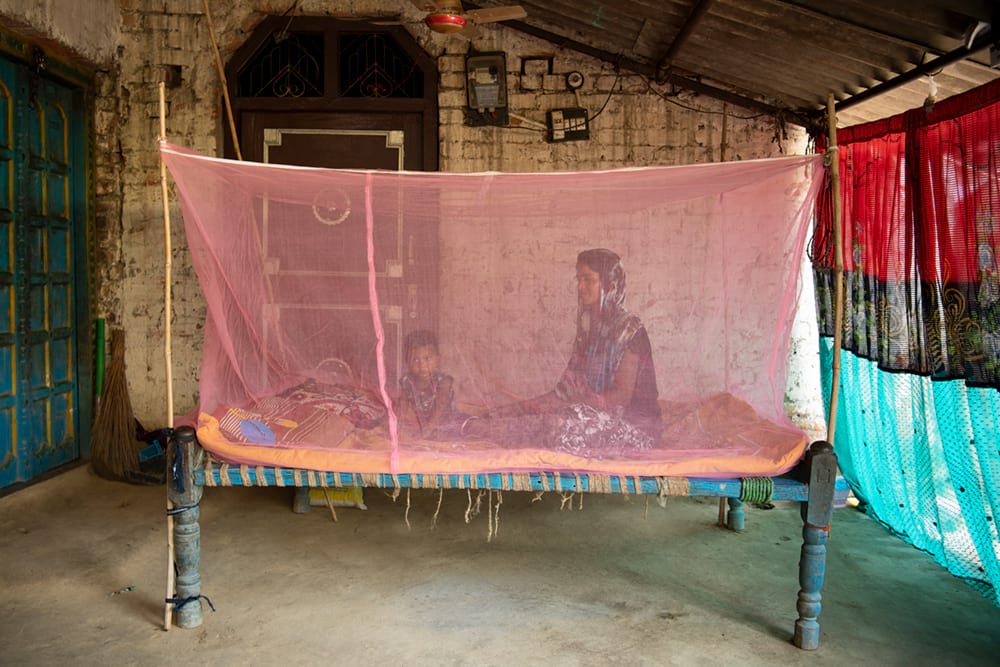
(618, 76)
(666, 98)
(651, 89)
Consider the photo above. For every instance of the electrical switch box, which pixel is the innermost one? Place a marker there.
(570, 124)
(487, 88)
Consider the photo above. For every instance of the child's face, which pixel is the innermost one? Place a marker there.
(423, 362)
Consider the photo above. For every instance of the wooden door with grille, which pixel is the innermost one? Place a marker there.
(348, 96)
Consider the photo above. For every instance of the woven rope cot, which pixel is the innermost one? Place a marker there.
(214, 473)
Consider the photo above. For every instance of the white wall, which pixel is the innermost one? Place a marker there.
(88, 29)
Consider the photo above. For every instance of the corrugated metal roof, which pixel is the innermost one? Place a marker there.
(783, 55)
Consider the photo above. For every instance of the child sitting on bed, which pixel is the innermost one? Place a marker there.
(427, 395)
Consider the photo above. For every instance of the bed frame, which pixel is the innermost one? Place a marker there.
(813, 483)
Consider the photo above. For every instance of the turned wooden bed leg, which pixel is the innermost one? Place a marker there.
(185, 495)
(821, 471)
(300, 503)
(735, 519)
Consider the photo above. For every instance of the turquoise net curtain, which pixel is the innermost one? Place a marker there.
(917, 422)
(923, 457)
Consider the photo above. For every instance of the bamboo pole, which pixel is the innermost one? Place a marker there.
(167, 359)
(168, 266)
(838, 271)
(232, 121)
(222, 78)
(724, 144)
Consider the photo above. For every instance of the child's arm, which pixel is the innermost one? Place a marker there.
(406, 411)
(442, 404)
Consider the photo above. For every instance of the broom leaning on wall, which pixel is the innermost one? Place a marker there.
(115, 450)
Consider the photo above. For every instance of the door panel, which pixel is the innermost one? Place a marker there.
(42, 213)
(407, 291)
(10, 432)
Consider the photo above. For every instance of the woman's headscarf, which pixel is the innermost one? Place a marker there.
(601, 344)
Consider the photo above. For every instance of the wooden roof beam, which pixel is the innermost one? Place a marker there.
(694, 18)
(649, 71)
(961, 53)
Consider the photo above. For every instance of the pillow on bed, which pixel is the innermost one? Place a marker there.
(361, 407)
(275, 422)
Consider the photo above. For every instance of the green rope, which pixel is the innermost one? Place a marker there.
(756, 489)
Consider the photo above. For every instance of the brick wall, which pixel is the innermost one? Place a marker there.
(639, 125)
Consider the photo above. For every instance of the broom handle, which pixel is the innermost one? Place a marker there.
(168, 610)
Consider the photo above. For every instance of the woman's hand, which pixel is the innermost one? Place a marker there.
(573, 388)
(623, 384)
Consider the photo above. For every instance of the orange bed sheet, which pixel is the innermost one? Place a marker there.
(720, 436)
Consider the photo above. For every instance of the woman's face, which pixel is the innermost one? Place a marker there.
(588, 284)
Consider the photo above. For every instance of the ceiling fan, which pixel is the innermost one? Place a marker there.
(448, 16)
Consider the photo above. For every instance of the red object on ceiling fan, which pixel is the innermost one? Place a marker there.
(448, 16)
(444, 22)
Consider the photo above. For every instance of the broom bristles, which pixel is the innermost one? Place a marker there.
(113, 442)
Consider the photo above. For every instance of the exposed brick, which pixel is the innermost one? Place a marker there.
(538, 67)
(132, 21)
(450, 117)
(451, 63)
(524, 101)
(452, 80)
(452, 98)
(196, 7)
(636, 128)
(554, 82)
(531, 82)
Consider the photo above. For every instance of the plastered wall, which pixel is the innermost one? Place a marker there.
(82, 31)
(636, 124)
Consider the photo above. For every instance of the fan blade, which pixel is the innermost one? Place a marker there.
(493, 14)
(390, 19)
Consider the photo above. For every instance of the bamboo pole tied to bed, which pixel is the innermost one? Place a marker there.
(838, 272)
(168, 270)
(167, 360)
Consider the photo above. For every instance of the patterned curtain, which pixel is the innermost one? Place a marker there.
(918, 424)
(921, 230)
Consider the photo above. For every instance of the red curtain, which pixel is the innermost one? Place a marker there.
(921, 230)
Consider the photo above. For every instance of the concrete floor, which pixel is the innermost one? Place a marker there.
(605, 585)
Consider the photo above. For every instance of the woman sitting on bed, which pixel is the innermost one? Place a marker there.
(606, 399)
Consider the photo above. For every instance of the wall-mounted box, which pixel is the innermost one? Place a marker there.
(571, 124)
(486, 87)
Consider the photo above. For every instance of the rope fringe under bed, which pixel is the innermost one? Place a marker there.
(212, 472)
(217, 473)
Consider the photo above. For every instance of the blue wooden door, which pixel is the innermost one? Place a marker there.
(42, 289)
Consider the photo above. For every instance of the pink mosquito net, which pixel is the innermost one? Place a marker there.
(315, 280)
